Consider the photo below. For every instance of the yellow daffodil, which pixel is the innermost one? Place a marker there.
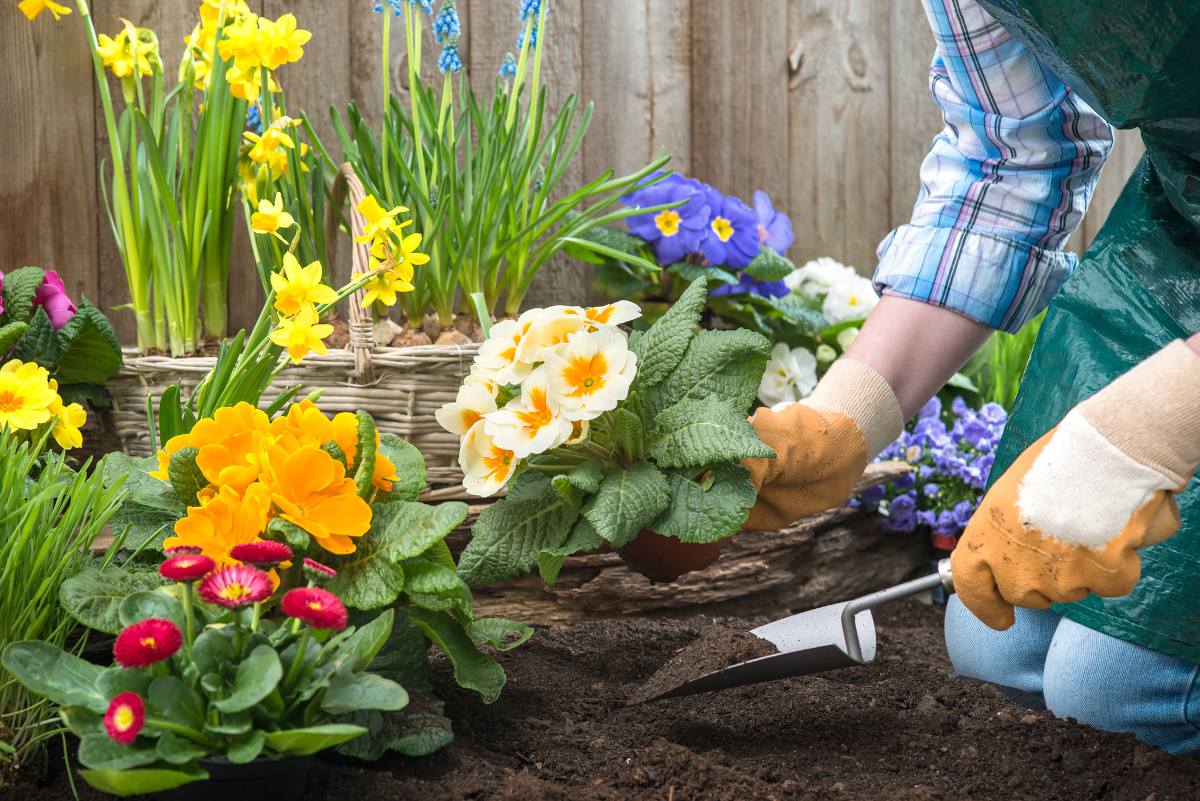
(383, 287)
(197, 51)
(380, 222)
(301, 334)
(211, 11)
(299, 287)
(268, 147)
(32, 8)
(241, 42)
(281, 42)
(25, 396)
(271, 217)
(245, 82)
(131, 50)
(68, 420)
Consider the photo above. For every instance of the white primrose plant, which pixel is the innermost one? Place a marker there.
(597, 435)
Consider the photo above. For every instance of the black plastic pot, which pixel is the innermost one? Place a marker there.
(274, 779)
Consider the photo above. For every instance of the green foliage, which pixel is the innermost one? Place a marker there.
(185, 475)
(662, 347)
(20, 287)
(999, 366)
(93, 597)
(40, 342)
(364, 457)
(710, 510)
(87, 347)
(695, 432)
(770, 266)
(627, 501)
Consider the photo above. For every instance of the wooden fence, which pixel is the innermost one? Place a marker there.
(822, 103)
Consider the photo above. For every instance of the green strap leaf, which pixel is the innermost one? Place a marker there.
(310, 740)
(628, 500)
(139, 781)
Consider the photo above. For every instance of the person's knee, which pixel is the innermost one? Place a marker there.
(1114, 685)
(1012, 658)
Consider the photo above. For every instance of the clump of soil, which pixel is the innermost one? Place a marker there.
(902, 729)
(340, 337)
(411, 337)
(721, 648)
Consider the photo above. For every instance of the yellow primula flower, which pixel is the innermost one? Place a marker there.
(299, 287)
(380, 223)
(32, 8)
(310, 488)
(281, 42)
(271, 217)
(300, 334)
(25, 396)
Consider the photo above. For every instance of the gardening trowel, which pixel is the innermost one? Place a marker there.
(827, 638)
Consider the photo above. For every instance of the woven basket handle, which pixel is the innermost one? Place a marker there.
(362, 340)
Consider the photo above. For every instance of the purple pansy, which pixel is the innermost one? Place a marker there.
(731, 237)
(774, 227)
(52, 296)
(673, 233)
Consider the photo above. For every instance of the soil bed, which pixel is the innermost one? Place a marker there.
(901, 730)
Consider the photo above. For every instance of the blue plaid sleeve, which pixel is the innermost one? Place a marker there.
(1005, 182)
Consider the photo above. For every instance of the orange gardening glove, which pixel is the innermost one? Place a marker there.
(1067, 518)
(822, 443)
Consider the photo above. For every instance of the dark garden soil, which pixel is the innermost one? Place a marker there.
(902, 730)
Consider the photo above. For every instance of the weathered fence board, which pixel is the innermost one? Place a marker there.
(823, 103)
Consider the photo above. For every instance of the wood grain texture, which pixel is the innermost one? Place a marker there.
(620, 88)
(47, 172)
(669, 42)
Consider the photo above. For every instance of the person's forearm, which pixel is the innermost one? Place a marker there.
(1194, 342)
(916, 347)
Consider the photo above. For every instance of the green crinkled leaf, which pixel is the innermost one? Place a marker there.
(10, 333)
(628, 500)
(94, 394)
(142, 488)
(310, 740)
(509, 535)
(498, 632)
(473, 669)
(364, 456)
(699, 513)
(705, 431)
(51, 672)
(627, 433)
(726, 364)
(139, 781)
(769, 265)
(420, 729)
(690, 272)
(410, 468)
(583, 537)
(257, 675)
(368, 578)
(662, 347)
(20, 287)
(582, 480)
(93, 597)
(185, 475)
(286, 531)
(38, 344)
(413, 528)
(88, 350)
(434, 586)
(350, 692)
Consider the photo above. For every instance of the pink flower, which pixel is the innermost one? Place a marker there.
(52, 296)
(236, 586)
(319, 608)
(146, 642)
(125, 717)
(261, 553)
(317, 572)
(186, 567)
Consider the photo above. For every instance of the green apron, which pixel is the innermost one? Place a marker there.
(1137, 62)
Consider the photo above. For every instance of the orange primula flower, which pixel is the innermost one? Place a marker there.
(311, 490)
(224, 521)
(229, 443)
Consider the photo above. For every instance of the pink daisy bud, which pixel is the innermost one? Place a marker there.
(235, 586)
(186, 567)
(317, 572)
(146, 642)
(261, 553)
(179, 550)
(125, 717)
(319, 608)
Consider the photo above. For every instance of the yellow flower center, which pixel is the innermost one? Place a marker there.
(123, 719)
(667, 222)
(315, 606)
(149, 642)
(232, 592)
(853, 300)
(538, 415)
(723, 228)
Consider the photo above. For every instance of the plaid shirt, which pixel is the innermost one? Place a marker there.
(1005, 183)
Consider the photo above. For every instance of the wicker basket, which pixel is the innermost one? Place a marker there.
(400, 387)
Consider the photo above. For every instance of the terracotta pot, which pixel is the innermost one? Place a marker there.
(660, 558)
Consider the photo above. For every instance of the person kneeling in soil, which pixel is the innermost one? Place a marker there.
(1080, 528)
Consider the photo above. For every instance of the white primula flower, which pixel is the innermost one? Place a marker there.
(849, 300)
(791, 375)
(486, 467)
(845, 337)
(549, 327)
(590, 373)
(530, 424)
(817, 277)
(473, 402)
(477, 378)
(621, 311)
(497, 360)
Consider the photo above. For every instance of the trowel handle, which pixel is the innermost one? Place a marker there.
(942, 578)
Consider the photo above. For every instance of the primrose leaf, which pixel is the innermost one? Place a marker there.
(661, 348)
(433, 586)
(703, 514)
(10, 333)
(410, 468)
(38, 344)
(627, 433)
(420, 729)
(582, 480)
(705, 431)
(20, 286)
(473, 669)
(87, 347)
(628, 500)
(725, 364)
(509, 535)
(498, 632)
(690, 272)
(94, 596)
(618, 280)
(350, 692)
(583, 537)
(769, 265)
(185, 475)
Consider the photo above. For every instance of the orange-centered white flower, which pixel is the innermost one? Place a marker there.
(486, 467)
(473, 402)
(529, 424)
(590, 373)
(551, 326)
(497, 360)
(621, 311)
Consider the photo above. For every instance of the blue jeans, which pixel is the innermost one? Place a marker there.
(1084, 674)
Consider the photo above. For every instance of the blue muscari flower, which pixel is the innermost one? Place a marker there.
(449, 60)
(508, 67)
(397, 9)
(254, 119)
(533, 35)
(446, 25)
(426, 5)
(530, 8)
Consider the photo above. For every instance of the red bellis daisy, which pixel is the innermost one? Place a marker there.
(317, 572)
(186, 567)
(262, 553)
(125, 717)
(180, 550)
(319, 608)
(235, 586)
(146, 642)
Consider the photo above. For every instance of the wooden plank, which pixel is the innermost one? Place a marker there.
(740, 98)
(47, 138)
(620, 88)
(669, 42)
(839, 108)
(915, 119)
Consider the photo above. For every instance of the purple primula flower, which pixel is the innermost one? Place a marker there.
(675, 232)
(774, 227)
(749, 285)
(52, 296)
(731, 237)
